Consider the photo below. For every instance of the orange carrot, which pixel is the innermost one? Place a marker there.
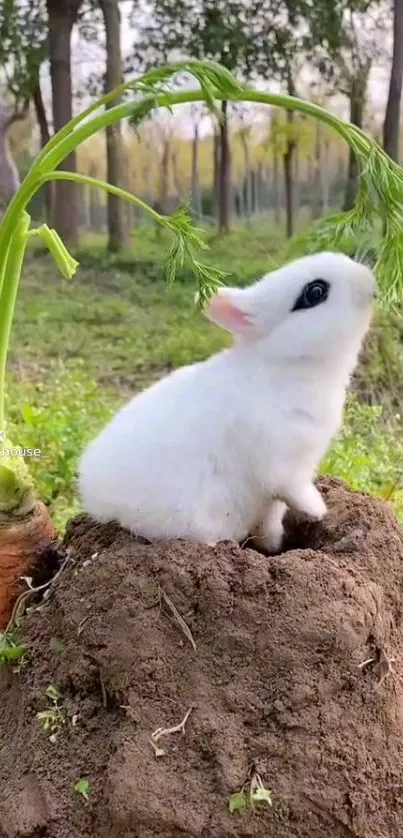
(21, 542)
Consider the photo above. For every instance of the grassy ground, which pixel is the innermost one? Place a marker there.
(80, 348)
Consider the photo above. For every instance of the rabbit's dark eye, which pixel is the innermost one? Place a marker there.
(312, 294)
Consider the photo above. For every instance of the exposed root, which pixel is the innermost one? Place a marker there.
(367, 662)
(17, 611)
(384, 664)
(385, 667)
(167, 731)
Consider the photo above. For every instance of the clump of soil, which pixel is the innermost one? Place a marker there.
(291, 667)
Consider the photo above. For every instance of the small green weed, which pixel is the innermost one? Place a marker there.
(57, 645)
(83, 787)
(53, 719)
(251, 794)
(11, 649)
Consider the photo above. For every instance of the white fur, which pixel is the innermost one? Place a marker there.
(218, 449)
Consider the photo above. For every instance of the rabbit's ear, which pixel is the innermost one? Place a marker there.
(227, 309)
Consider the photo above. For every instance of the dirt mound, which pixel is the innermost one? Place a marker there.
(291, 668)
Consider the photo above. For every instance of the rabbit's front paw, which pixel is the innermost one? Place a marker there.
(307, 500)
(269, 542)
(268, 532)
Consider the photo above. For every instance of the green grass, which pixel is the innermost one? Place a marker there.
(368, 453)
(80, 348)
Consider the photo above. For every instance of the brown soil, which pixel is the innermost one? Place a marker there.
(276, 685)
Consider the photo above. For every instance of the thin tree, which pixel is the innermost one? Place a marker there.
(275, 143)
(245, 36)
(319, 202)
(391, 127)
(118, 234)
(44, 131)
(288, 160)
(247, 184)
(194, 174)
(162, 139)
(23, 48)
(344, 54)
(357, 93)
(62, 15)
(216, 168)
(224, 179)
(176, 176)
(9, 177)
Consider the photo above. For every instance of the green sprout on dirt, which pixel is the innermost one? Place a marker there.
(380, 199)
(57, 645)
(83, 787)
(252, 794)
(53, 719)
(11, 648)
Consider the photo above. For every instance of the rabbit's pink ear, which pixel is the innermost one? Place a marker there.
(226, 310)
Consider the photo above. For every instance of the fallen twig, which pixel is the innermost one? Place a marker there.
(185, 628)
(104, 692)
(81, 625)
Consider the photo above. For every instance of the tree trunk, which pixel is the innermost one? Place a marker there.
(148, 184)
(259, 188)
(247, 177)
(40, 113)
(391, 127)
(176, 177)
(118, 233)
(296, 181)
(289, 190)
(357, 105)
(250, 194)
(240, 203)
(216, 171)
(164, 180)
(42, 120)
(224, 192)
(277, 203)
(84, 217)
(94, 203)
(317, 173)
(288, 159)
(9, 177)
(325, 179)
(62, 15)
(195, 182)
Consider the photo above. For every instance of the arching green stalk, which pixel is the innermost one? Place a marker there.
(14, 261)
(15, 479)
(108, 187)
(380, 175)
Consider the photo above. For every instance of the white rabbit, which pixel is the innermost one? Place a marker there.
(217, 450)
